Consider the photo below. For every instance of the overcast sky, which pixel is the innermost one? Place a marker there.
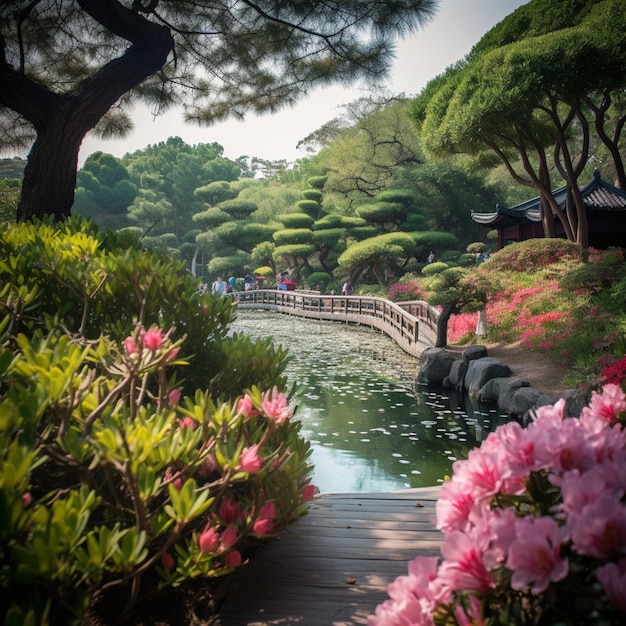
(457, 26)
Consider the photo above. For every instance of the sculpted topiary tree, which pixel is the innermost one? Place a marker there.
(68, 66)
(533, 92)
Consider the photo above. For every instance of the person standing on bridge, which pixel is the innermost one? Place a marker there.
(346, 290)
(219, 287)
(248, 282)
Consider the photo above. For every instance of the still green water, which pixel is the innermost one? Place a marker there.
(368, 430)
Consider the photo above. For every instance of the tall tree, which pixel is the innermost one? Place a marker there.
(531, 91)
(67, 66)
(363, 149)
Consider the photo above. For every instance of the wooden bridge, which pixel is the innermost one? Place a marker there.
(403, 322)
(332, 567)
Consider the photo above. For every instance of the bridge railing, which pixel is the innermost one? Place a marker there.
(400, 321)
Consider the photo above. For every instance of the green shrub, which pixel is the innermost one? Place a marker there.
(434, 268)
(136, 441)
(528, 256)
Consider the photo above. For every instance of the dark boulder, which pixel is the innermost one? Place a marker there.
(480, 371)
(435, 365)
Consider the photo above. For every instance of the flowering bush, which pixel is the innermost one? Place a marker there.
(140, 446)
(534, 526)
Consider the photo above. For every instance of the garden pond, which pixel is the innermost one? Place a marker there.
(369, 430)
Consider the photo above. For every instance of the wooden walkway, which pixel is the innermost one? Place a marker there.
(409, 324)
(333, 566)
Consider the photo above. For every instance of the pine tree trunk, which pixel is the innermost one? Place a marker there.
(442, 324)
(62, 120)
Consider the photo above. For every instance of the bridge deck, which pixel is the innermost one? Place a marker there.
(333, 566)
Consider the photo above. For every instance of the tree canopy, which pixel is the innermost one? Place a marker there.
(533, 91)
(69, 66)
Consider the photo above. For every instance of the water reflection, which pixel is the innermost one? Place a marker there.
(369, 431)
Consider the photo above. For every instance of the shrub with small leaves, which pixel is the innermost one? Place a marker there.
(121, 457)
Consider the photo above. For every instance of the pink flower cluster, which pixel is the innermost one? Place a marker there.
(274, 405)
(151, 339)
(531, 507)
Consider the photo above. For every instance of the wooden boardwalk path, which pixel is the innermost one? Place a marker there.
(333, 566)
(410, 324)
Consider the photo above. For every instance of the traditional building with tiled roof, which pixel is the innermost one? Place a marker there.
(606, 216)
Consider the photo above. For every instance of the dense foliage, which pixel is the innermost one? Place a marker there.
(141, 444)
(534, 524)
(543, 293)
(543, 91)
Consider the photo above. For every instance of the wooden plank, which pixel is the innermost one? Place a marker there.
(333, 566)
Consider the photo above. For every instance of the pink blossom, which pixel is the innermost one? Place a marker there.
(208, 540)
(579, 490)
(550, 414)
(130, 346)
(473, 616)
(173, 397)
(210, 464)
(174, 478)
(27, 499)
(483, 472)
(152, 338)
(413, 598)
(167, 561)
(454, 505)
(535, 554)
(600, 528)
(173, 353)
(187, 422)
(607, 405)
(275, 406)
(229, 510)
(229, 539)
(264, 523)
(249, 460)
(245, 406)
(308, 491)
(233, 559)
(463, 567)
(520, 447)
(612, 577)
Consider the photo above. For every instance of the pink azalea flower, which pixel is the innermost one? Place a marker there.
(245, 406)
(600, 528)
(607, 405)
(612, 577)
(233, 559)
(535, 554)
(173, 397)
(264, 523)
(249, 460)
(579, 490)
(454, 505)
(187, 422)
(229, 539)
(550, 414)
(130, 346)
(275, 406)
(413, 598)
(474, 615)
(208, 540)
(308, 491)
(484, 473)
(262, 527)
(229, 511)
(210, 464)
(27, 499)
(167, 561)
(463, 566)
(173, 354)
(152, 338)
